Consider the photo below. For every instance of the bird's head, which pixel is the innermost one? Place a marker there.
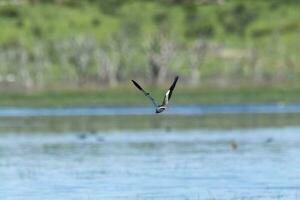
(158, 110)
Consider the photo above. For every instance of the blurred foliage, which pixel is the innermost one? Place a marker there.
(46, 43)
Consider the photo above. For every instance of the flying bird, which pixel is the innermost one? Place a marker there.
(163, 106)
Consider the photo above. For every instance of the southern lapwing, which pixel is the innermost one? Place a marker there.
(163, 106)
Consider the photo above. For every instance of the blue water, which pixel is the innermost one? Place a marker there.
(71, 162)
(142, 110)
(152, 164)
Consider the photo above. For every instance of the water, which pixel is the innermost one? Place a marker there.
(216, 156)
(198, 109)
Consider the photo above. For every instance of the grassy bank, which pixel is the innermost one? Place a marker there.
(131, 96)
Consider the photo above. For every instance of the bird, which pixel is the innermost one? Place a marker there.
(162, 107)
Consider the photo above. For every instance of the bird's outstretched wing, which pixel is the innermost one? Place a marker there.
(145, 93)
(169, 92)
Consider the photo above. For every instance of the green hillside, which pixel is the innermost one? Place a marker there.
(59, 44)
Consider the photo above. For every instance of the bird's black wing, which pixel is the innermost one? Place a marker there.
(169, 92)
(145, 93)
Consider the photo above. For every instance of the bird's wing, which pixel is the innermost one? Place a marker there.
(145, 93)
(169, 92)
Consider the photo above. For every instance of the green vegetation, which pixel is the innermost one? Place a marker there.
(131, 96)
(50, 45)
(81, 42)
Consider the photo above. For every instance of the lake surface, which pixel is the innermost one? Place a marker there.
(173, 156)
(197, 109)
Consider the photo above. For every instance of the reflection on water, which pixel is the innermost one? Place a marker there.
(198, 109)
(91, 124)
(247, 156)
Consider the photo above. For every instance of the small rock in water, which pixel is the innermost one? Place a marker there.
(82, 136)
(269, 140)
(233, 144)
